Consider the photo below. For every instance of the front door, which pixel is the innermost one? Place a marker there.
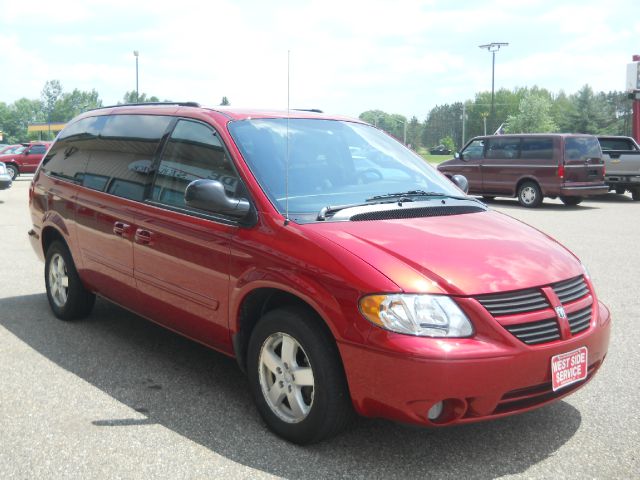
(470, 165)
(182, 254)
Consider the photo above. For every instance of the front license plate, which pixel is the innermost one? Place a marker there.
(568, 368)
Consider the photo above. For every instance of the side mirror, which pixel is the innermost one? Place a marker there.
(210, 195)
(461, 182)
(457, 155)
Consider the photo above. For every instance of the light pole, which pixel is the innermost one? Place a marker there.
(135, 54)
(493, 47)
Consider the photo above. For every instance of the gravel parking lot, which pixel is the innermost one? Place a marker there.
(118, 397)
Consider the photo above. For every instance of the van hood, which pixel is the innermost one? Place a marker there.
(468, 254)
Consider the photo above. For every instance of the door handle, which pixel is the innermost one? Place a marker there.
(121, 229)
(143, 237)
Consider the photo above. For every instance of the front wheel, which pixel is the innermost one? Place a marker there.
(68, 298)
(529, 195)
(296, 377)
(620, 190)
(571, 201)
(635, 194)
(13, 171)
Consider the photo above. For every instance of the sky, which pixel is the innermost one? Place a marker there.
(346, 56)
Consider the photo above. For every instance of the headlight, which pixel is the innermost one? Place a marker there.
(421, 315)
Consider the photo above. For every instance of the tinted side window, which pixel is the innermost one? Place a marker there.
(538, 148)
(616, 144)
(192, 152)
(68, 156)
(121, 155)
(474, 150)
(37, 149)
(503, 148)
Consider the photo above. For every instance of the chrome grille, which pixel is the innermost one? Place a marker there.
(570, 290)
(534, 333)
(514, 302)
(580, 320)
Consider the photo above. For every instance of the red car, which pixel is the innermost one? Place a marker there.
(25, 159)
(340, 270)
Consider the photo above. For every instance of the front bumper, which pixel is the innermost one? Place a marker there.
(401, 377)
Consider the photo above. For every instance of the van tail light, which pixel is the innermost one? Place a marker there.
(561, 171)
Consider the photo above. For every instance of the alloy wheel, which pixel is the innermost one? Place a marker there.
(286, 377)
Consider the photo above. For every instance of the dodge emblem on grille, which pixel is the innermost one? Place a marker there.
(560, 312)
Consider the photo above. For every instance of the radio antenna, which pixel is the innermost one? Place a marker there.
(286, 165)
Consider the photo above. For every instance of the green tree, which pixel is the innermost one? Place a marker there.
(71, 104)
(414, 133)
(533, 115)
(49, 96)
(587, 115)
(448, 143)
(132, 97)
(393, 124)
(224, 102)
(443, 121)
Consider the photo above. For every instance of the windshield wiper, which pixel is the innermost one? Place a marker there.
(330, 209)
(403, 197)
(406, 196)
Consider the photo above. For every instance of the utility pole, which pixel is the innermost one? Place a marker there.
(135, 54)
(493, 47)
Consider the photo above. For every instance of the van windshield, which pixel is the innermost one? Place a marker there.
(581, 148)
(330, 162)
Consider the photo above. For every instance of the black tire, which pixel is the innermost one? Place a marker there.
(571, 201)
(72, 302)
(13, 171)
(635, 194)
(327, 400)
(529, 194)
(620, 190)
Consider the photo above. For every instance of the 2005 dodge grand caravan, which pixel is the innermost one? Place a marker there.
(339, 269)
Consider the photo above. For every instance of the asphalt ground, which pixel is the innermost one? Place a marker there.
(117, 397)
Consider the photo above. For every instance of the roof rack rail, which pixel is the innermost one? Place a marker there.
(180, 104)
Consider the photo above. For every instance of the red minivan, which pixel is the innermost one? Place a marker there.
(341, 271)
(531, 167)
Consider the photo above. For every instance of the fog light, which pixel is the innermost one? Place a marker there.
(435, 411)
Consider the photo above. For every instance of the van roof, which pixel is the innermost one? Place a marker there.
(232, 113)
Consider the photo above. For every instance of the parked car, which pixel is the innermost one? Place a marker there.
(10, 149)
(531, 167)
(25, 160)
(336, 290)
(5, 179)
(440, 150)
(622, 159)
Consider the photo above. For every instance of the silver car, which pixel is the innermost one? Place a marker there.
(5, 178)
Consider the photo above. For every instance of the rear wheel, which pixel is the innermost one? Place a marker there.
(635, 194)
(296, 377)
(620, 190)
(529, 195)
(571, 201)
(68, 298)
(13, 171)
